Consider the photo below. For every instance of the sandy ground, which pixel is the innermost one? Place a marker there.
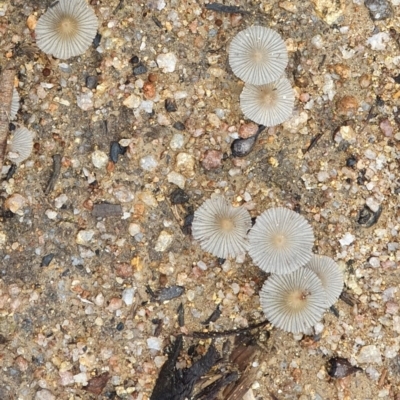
(88, 311)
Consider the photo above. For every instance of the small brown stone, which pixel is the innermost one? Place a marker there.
(386, 127)
(342, 70)
(212, 159)
(15, 202)
(248, 130)
(236, 19)
(199, 42)
(88, 204)
(218, 22)
(364, 80)
(149, 90)
(123, 270)
(153, 77)
(347, 105)
(21, 363)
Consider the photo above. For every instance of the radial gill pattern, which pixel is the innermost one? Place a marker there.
(66, 29)
(220, 228)
(280, 241)
(294, 302)
(258, 55)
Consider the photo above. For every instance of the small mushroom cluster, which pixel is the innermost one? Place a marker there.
(258, 56)
(302, 285)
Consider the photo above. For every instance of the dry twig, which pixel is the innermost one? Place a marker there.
(6, 90)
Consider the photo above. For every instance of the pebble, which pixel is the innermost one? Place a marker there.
(243, 147)
(116, 149)
(148, 163)
(50, 214)
(154, 343)
(386, 127)
(134, 229)
(235, 19)
(44, 394)
(167, 62)
(328, 10)
(346, 133)
(84, 101)
(132, 101)
(99, 159)
(149, 90)
(128, 296)
(177, 179)
(347, 105)
(212, 159)
(139, 69)
(170, 105)
(347, 239)
(64, 67)
(164, 240)
(179, 196)
(379, 9)
(123, 194)
(179, 126)
(84, 236)
(378, 41)
(60, 200)
(248, 130)
(15, 202)
(177, 141)
(369, 354)
(184, 164)
(365, 80)
(91, 82)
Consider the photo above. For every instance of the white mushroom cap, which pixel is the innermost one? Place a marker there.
(67, 29)
(258, 55)
(280, 241)
(21, 145)
(269, 104)
(329, 274)
(14, 104)
(220, 228)
(293, 302)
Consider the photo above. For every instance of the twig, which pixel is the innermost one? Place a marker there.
(55, 173)
(6, 90)
(231, 332)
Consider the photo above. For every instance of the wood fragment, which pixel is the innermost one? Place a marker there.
(231, 332)
(55, 174)
(103, 210)
(6, 90)
(218, 7)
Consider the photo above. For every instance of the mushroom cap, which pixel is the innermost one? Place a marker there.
(258, 55)
(281, 241)
(220, 228)
(329, 274)
(269, 104)
(14, 104)
(67, 29)
(293, 302)
(21, 145)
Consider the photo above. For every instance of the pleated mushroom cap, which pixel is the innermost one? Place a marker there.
(67, 29)
(258, 55)
(14, 104)
(220, 228)
(269, 104)
(294, 302)
(281, 241)
(329, 274)
(21, 145)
